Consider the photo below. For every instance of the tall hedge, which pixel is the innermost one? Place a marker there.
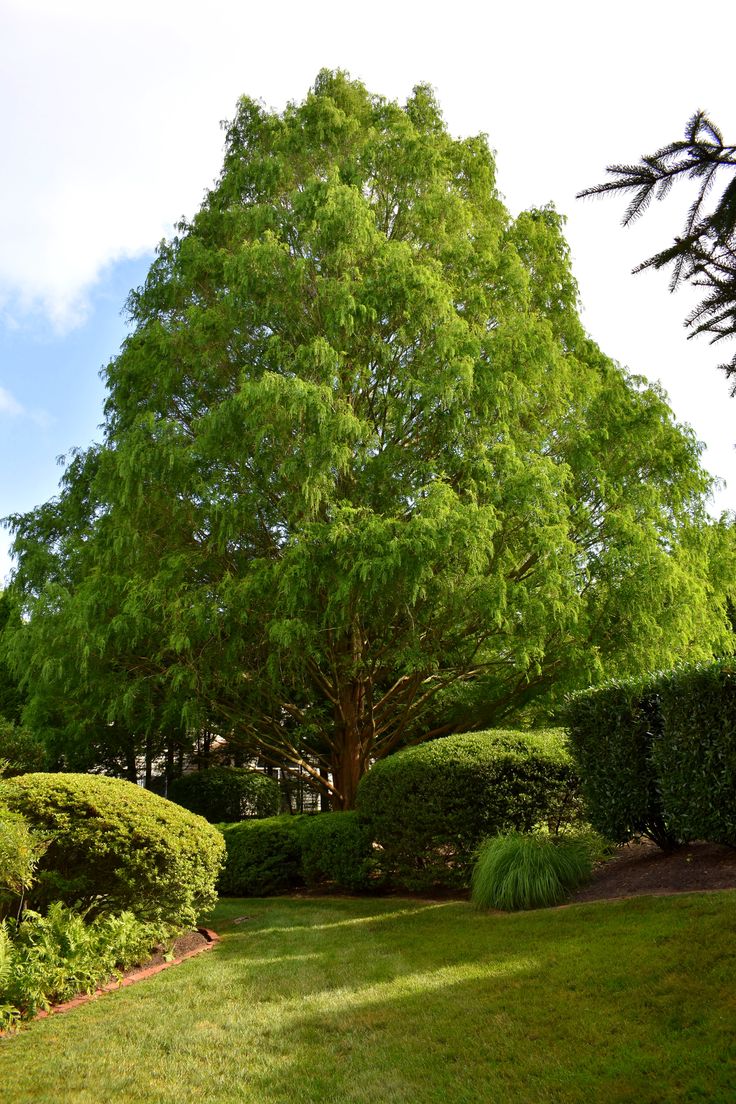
(227, 794)
(613, 731)
(428, 807)
(696, 759)
(116, 847)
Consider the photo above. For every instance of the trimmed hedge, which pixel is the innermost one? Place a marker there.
(263, 857)
(117, 847)
(695, 759)
(275, 855)
(227, 794)
(337, 849)
(428, 807)
(613, 732)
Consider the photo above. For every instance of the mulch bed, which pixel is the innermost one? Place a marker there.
(641, 868)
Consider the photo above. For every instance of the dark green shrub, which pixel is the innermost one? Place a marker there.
(263, 856)
(613, 732)
(117, 847)
(227, 794)
(428, 807)
(518, 871)
(336, 849)
(21, 750)
(695, 759)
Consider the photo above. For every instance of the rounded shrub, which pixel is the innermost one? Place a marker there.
(525, 871)
(263, 856)
(428, 807)
(227, 794)
(115, 847)
(336, 849)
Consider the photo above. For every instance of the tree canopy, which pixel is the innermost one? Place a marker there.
(364, 478)
(705, 253)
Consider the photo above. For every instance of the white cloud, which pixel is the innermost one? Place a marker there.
(9, 405)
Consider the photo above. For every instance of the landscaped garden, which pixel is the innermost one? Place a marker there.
(415, 1001)
(371, 512)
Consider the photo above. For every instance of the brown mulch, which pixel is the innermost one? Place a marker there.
(640, 868)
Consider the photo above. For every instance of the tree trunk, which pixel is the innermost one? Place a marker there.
(349, 757)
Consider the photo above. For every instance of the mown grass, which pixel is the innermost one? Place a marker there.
(392, 1000)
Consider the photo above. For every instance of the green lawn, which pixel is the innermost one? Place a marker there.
(393, 1000)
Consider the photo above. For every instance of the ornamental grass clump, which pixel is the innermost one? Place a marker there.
(525, 871)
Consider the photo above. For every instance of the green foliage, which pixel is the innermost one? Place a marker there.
(117, 847)
(705, 253)
(613, 730)
(364, 478)
(337, 850)
(263, 857)
(20, 852)
(227, 794)
(12, 697)
(21, 751)
(429, 807)
(55, 957)
(522, 871)
(695, 757)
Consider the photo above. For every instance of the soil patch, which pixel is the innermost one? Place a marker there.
(640, 868)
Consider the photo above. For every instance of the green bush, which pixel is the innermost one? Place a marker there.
(428, 807)
(336, 849)
(263, 856)
(116, 847)
(523, 871)
(227, 794)
(20, 851)
(53, 958)
(695, 760)
(21, 750)
(613, 732)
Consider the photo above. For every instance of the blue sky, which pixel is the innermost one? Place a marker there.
(110, 132)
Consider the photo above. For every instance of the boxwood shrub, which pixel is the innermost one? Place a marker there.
(614, 731)
(428, 807)
(116, 847)
(263, 856)
(336, 850)
(227, 794)
(695, 760)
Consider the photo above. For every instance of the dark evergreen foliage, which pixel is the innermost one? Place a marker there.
(705, 254)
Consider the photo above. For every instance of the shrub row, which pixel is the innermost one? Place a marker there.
(281, 853)
(426, 809)
(658, 757)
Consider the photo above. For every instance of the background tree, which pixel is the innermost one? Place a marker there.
(364, 479)
(705, 254)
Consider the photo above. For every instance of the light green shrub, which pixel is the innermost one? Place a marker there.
(116, 847)
(524, 871)
(52, 958)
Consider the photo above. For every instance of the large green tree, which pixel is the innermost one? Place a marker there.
(364, 478)
(705, 253)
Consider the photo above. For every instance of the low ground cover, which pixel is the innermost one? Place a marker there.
(415, 1001)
